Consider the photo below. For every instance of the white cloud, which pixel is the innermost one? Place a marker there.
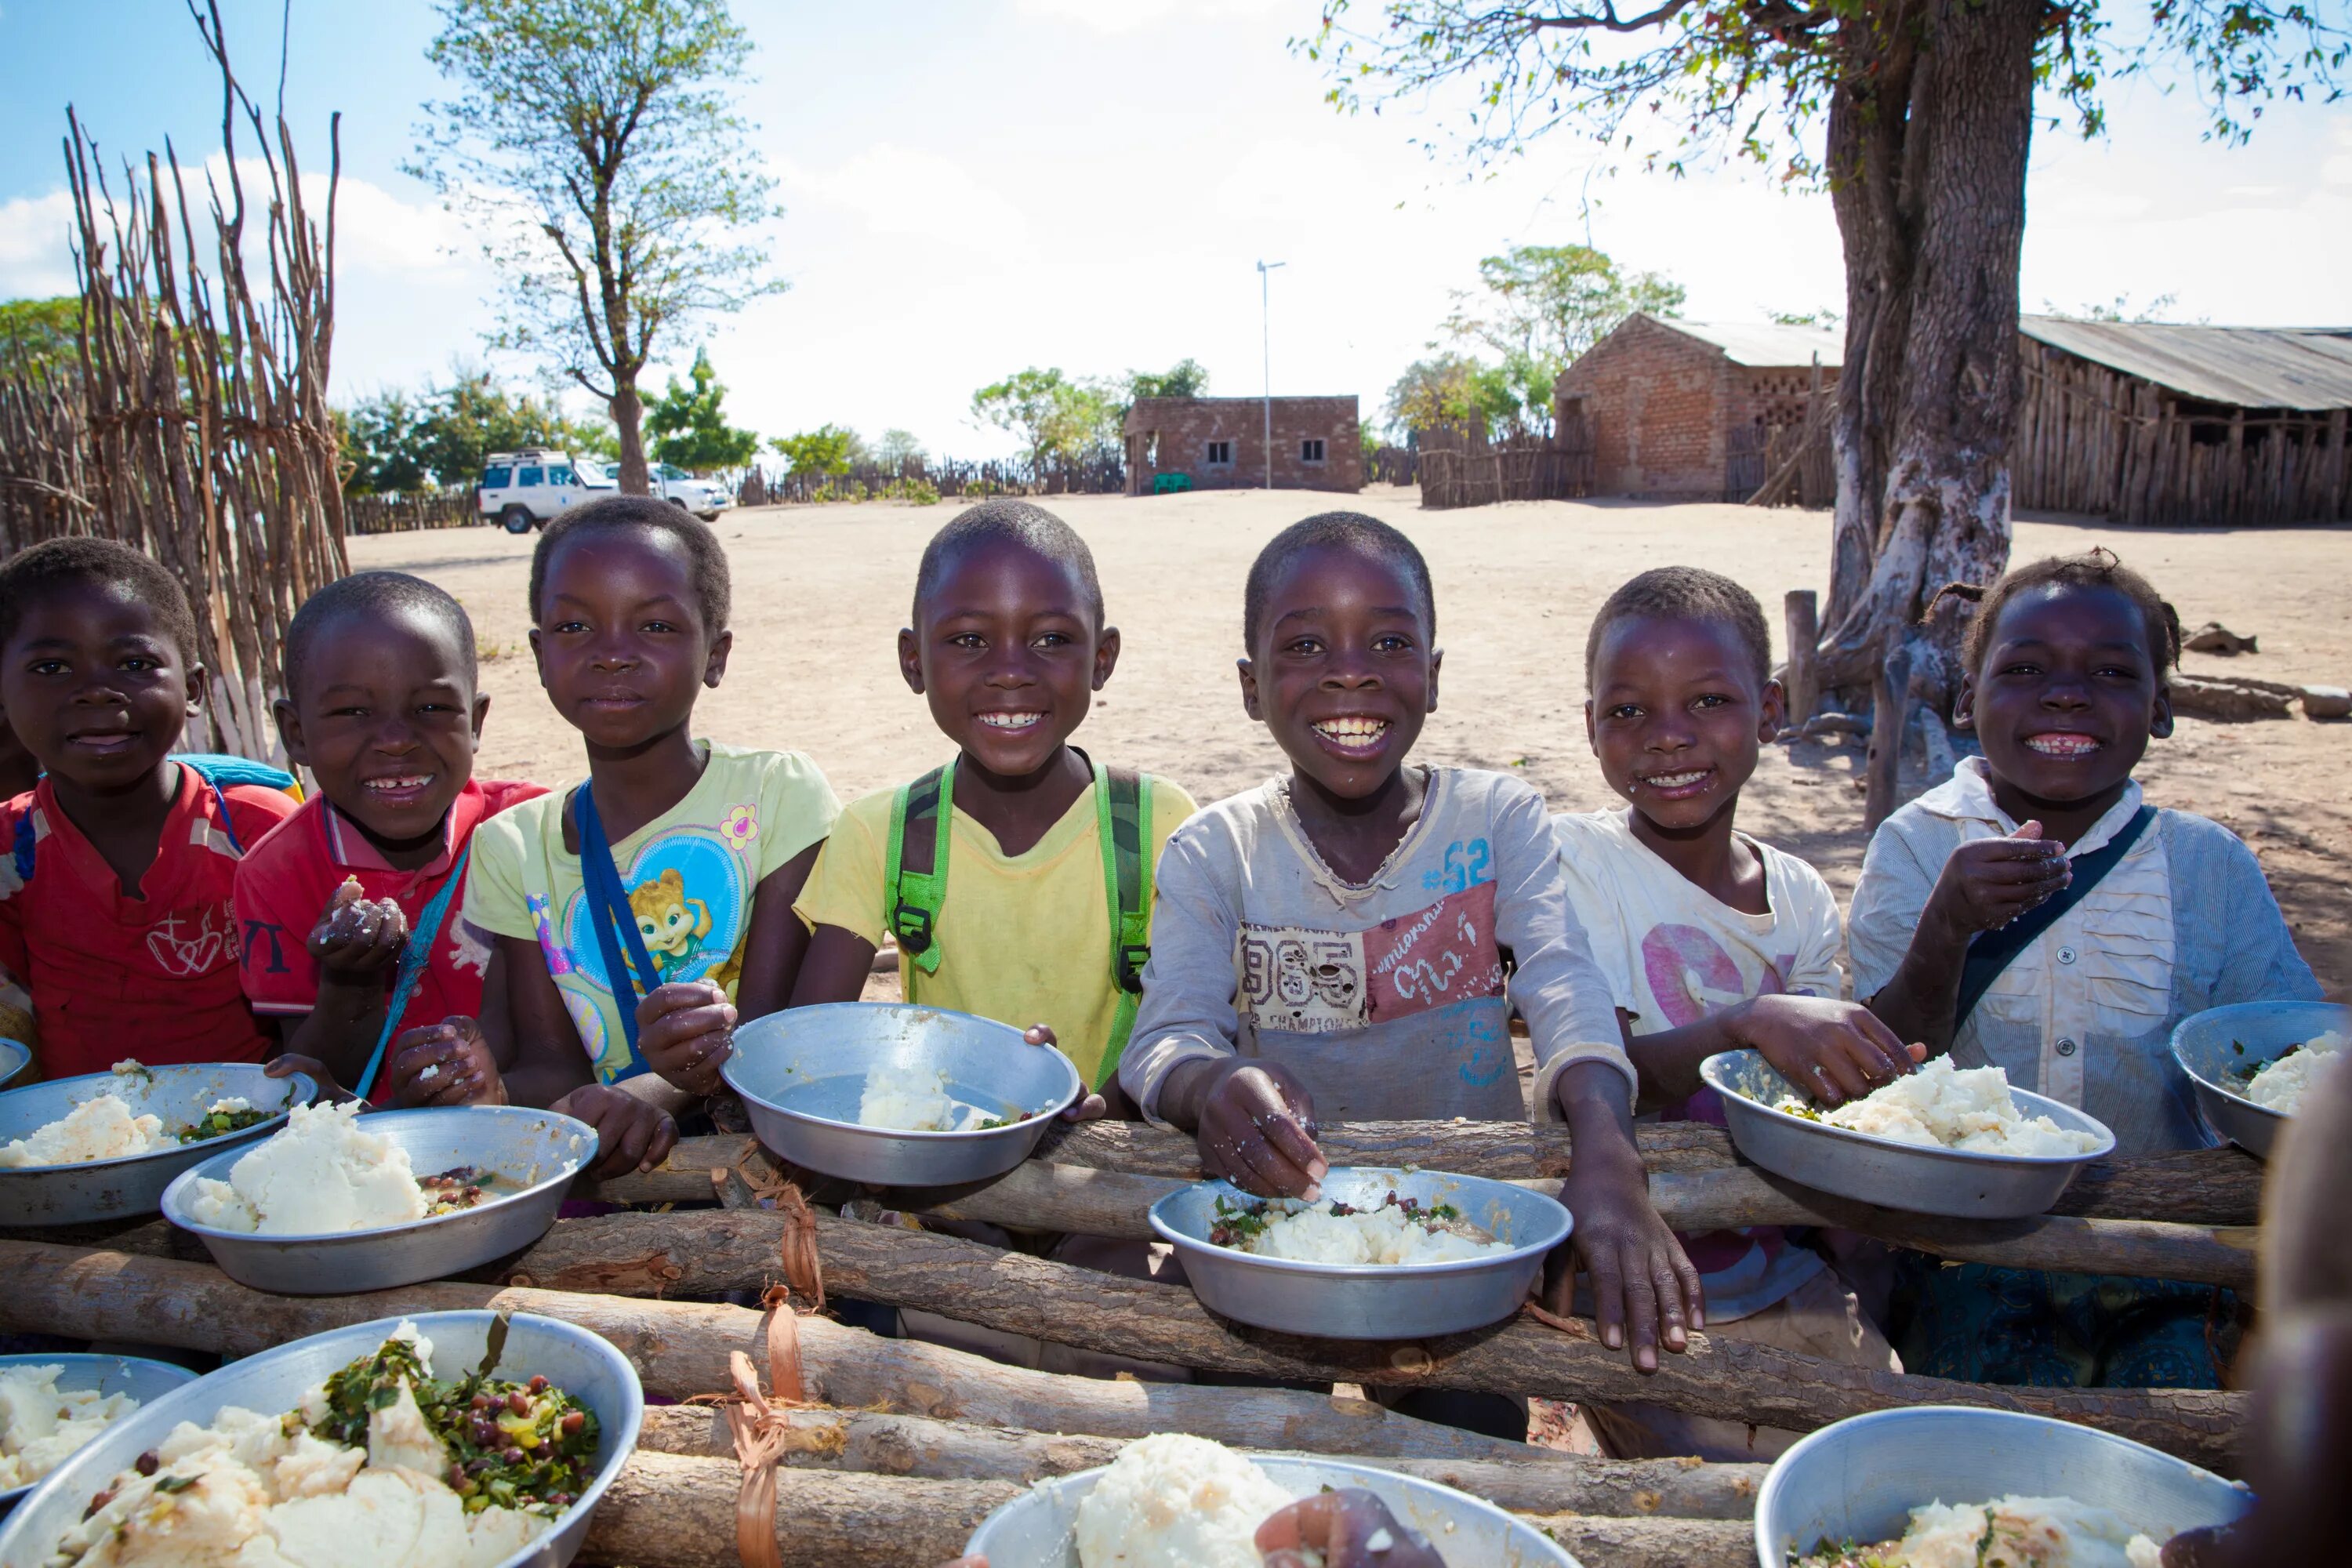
(898, 190)
(35, 258)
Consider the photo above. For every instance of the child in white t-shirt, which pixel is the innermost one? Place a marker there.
(1711, 942)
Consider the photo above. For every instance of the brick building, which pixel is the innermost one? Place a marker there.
(1220, 443)
(1677, 410)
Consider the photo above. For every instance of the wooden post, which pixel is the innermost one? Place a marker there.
(1800, 614)
(1890, 711)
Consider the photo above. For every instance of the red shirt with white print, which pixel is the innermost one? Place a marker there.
(287, 882)
(154, 977)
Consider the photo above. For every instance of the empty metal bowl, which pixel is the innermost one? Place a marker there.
(533, 1155)
(801, 1073)
(580, 1363)
(1037, 1529)
(2215, 1046)
(128, 1187)
(1374, 1301)
(1858, 1480)
(14, 1057)
(145, 1380)
(1892, 1175)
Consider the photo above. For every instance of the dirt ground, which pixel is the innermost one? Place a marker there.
(820, 594)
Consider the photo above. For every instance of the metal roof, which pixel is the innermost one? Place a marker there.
(1764, 344)
(2252, 367)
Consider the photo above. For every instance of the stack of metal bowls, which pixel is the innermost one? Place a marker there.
(134, 1185)
(801, 1073)
(2217, 1046)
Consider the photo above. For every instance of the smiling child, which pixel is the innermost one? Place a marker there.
(115, 908)
(1333, 943)
(2033, 913)
(1008, 647)
(381, 706)
(697, 849)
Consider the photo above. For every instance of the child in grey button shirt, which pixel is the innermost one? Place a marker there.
(1348, 941)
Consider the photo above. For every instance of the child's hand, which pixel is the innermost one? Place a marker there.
(286, 1065)
(1641, 1278)
(685, 1030)
(1350, 1528)
(1089, 1106)
(1834, 1051)
(1257, 1130)
(630, 1134)
(447, 1063)
(358, 940)
(1988, 882)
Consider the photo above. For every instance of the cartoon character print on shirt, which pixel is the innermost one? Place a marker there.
(672, 925)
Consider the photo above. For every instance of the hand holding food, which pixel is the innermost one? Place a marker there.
(447, 1063)
(358, 938)
(631, 1135)
(1257, 1132)
(1346, 1529)
(1988, 882)
(1833, 1050)
(685, 1029)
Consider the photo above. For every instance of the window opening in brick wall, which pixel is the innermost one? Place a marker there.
(1220, 454)
(1310, 449)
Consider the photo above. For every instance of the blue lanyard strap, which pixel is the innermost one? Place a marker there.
(415, 958)
(629, 969)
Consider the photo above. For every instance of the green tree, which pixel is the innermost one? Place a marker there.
(396, 442)
(1054, 416)
(1546, 304)
(900, 447)
(1918, 116)
(1186, 378)
(41, 335)
(596, 146)
(827, 449)
(1455, 389)
(690, 423)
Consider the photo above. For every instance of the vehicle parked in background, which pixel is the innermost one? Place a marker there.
(706, 498)
(522, 490)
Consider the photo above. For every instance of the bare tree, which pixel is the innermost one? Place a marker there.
(596, 146)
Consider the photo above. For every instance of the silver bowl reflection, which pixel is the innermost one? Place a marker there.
(1858, 1480)
(1376, 1302)
(1962, 1184)
(1037, 1529)
(801, 1072)
(134, 1185)
(14, 1057)
(572, 1359)
(530, 1157)
(143, 1379)
(2216, 1046)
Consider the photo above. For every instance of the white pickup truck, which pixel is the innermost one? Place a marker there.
(522, 490)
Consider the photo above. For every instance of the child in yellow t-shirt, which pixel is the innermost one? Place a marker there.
(1041, 914)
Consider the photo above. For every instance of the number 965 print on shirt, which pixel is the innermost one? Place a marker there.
(1300, 980)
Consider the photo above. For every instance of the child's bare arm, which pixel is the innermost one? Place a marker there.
(541, 1055)
(1645, 1290)
(1255, 1123)
(356, 944)
(1833, 1050)
(1986, 884)
(835, 967)
(778, 944)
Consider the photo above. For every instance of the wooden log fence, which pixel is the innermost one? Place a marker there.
(1459, 466)
(924, 480)
(405, 513)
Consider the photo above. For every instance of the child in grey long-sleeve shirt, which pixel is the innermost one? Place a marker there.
(1348, 941)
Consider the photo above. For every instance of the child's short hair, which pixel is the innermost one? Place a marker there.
(374, 594)
(1015, 522)
(1685, 594)
(713, 588)
(1347, 529)
(2096, 568)
(104, 562)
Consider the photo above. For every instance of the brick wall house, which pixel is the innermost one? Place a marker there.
(1673, 405)
(1220, 442)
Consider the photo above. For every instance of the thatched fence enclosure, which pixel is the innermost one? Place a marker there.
(1458, 465)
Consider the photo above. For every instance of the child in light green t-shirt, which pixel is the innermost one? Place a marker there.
(1008, 646)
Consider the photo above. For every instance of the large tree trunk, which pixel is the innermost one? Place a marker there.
(628, 418)
(1928, 130)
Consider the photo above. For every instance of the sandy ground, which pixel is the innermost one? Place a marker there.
(820, 594)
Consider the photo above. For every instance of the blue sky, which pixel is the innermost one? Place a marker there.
(974, 185)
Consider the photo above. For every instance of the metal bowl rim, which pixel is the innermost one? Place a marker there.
(2030, 1103)
(1185, 1241)
(2173, 1043)
(9, 1496)
(303, 1083)
(172, 1201)
(1077, 1086)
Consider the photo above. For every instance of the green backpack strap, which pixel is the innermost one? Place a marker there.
(915, 883)
(1123, 819)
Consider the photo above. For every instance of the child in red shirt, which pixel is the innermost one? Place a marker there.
(116, 868)
(381, 706)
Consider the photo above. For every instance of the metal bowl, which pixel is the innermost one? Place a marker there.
(537, 1152)
(1892, 1175)
(2214, 1045)
(1037, 1529)
(572, 1359)
(145, 1380)
(800, 1073)
(14, 1057)
(1860, 1479)
(125, 1188)
(1370, 1301)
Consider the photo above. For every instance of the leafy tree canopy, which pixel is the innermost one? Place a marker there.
(1056, 419)
(827, 449)
(41, 335)
(690, 423)
(897, 449)
(1454, 388)
(1186, 378)
(1549, 303)
(397, 441)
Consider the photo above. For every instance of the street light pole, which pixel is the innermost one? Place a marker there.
(1265, 340)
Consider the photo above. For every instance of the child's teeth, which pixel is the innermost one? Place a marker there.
(1008, 721)
(1351, 728)
(1676, 780)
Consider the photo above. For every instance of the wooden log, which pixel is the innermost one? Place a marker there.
(2195, 1186)
(1891, 702)
(680, 1350)
(1802, 616)
(667, 1510)
(1546, 1482)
